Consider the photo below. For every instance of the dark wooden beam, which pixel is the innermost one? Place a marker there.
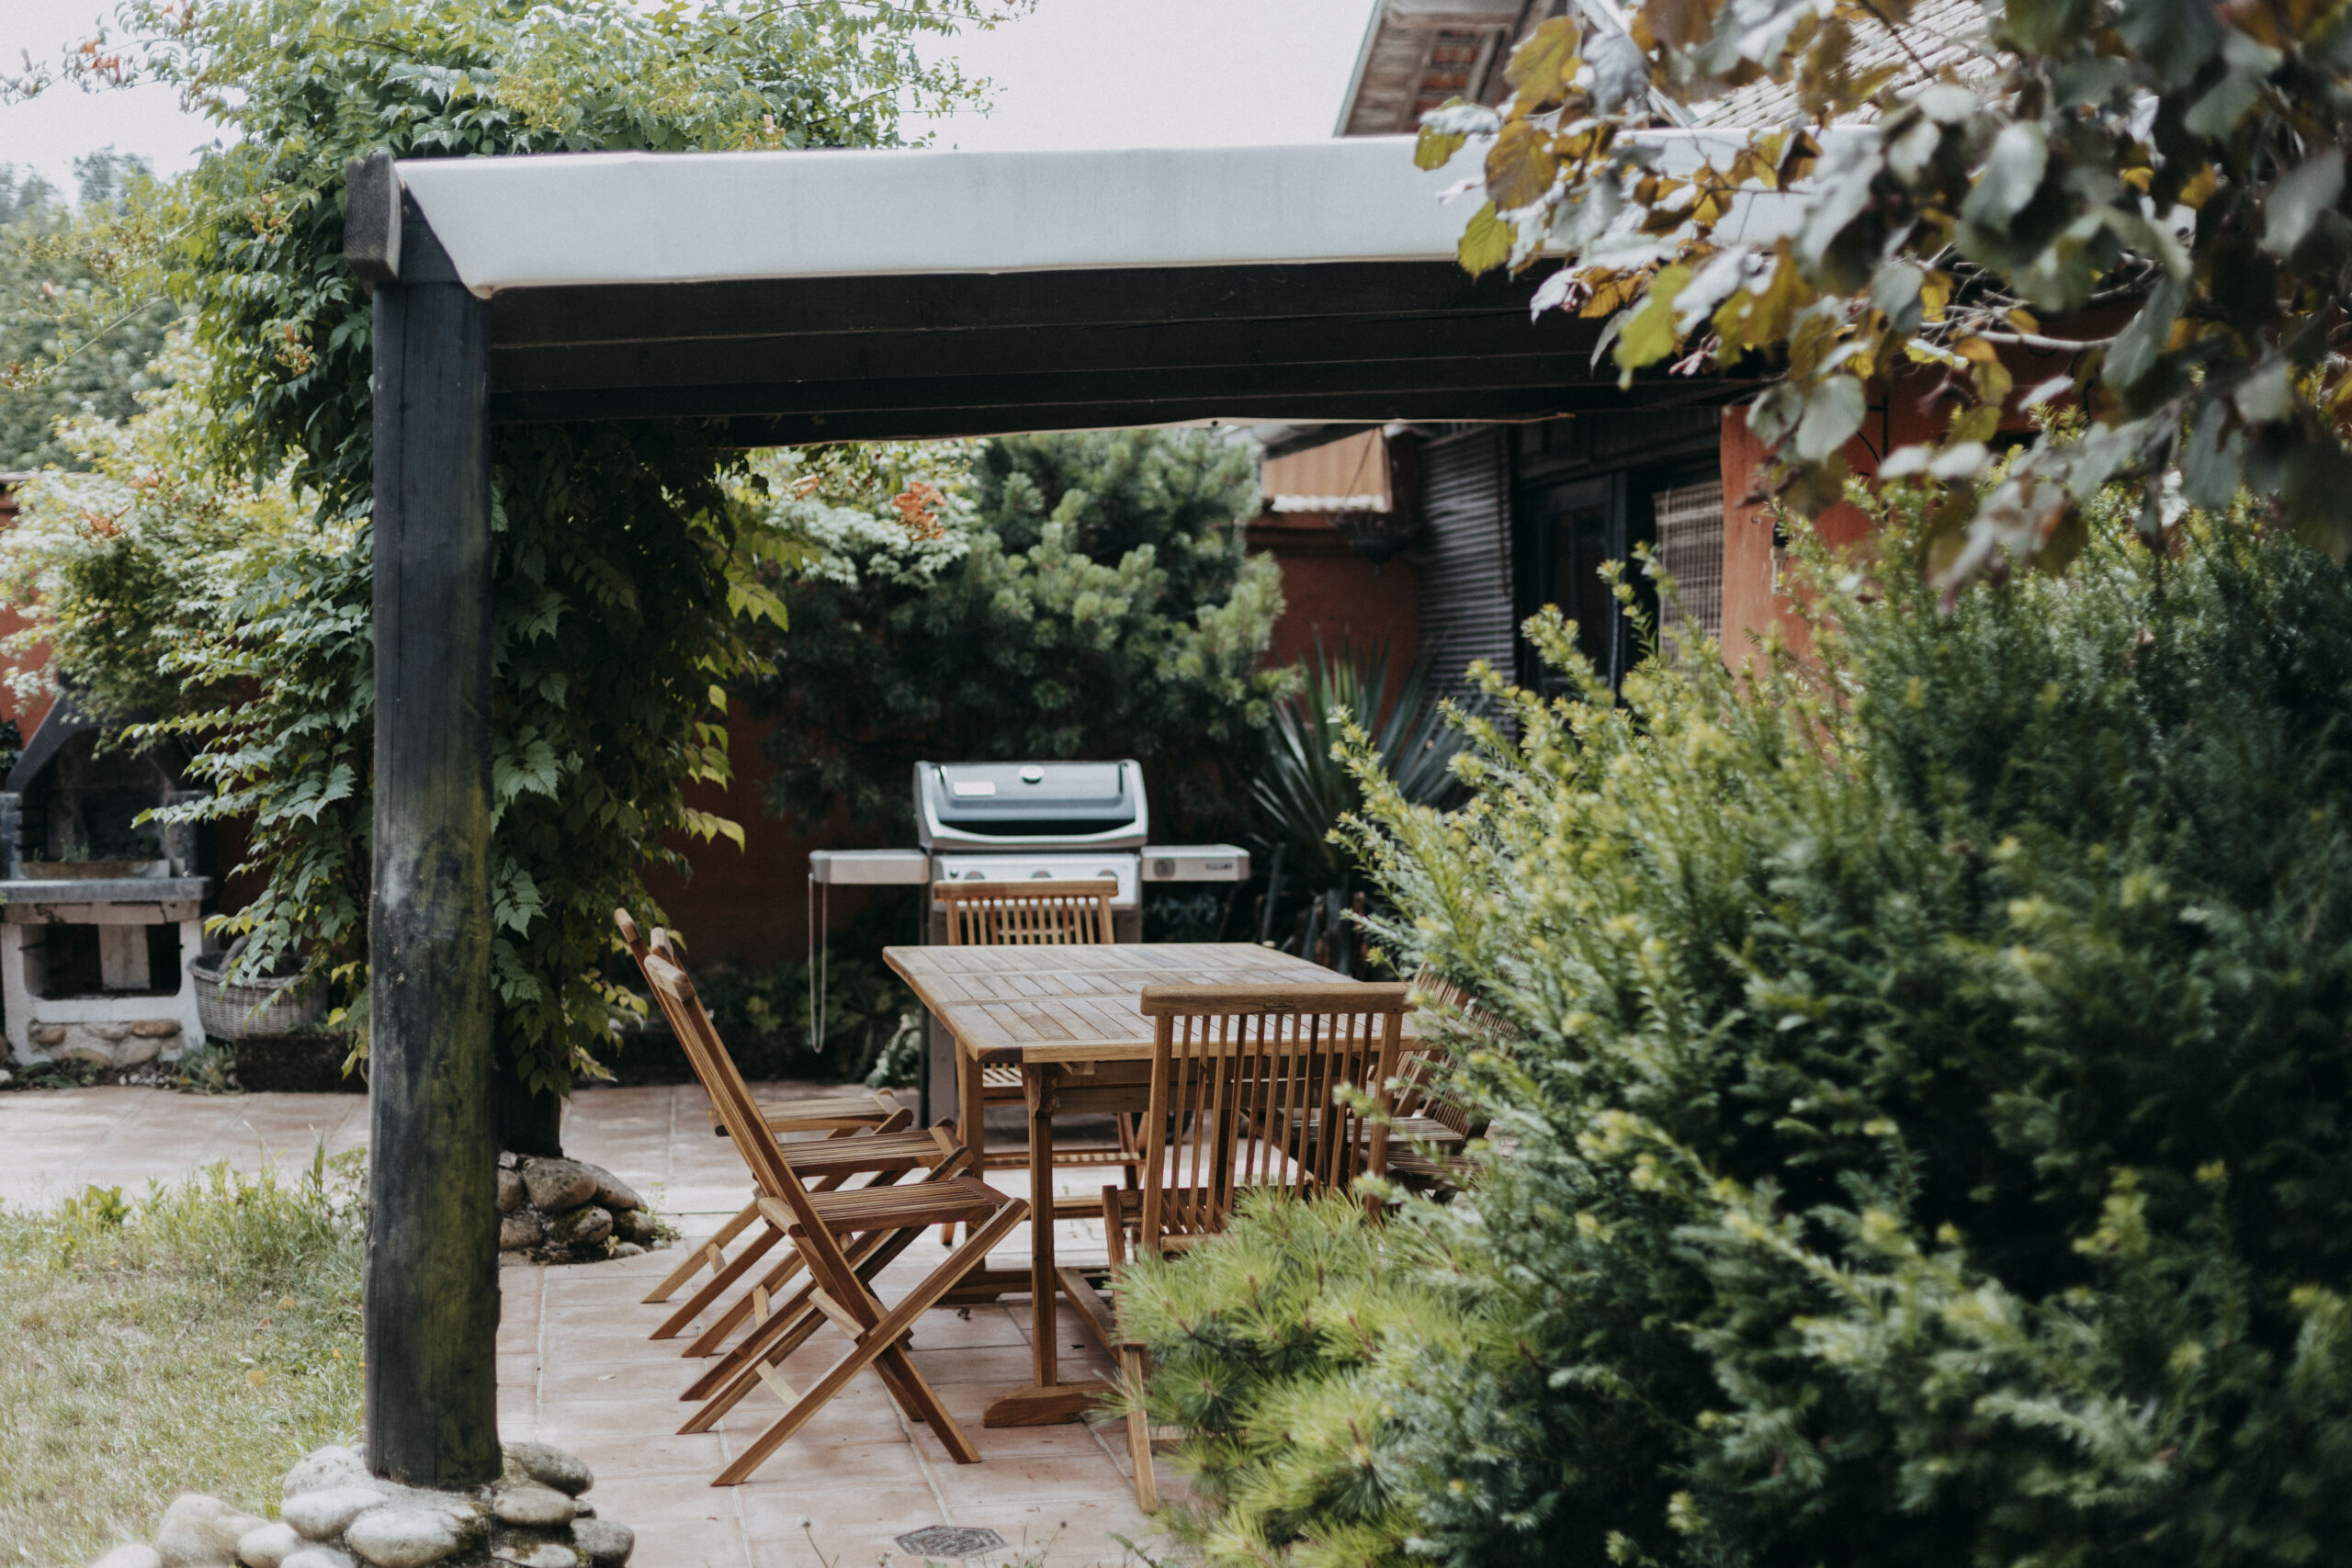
(950, 301)
(431, 1309)
(996, 351)
(1508, 405)
(1382, 384)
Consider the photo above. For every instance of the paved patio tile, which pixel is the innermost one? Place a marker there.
(575, 1368)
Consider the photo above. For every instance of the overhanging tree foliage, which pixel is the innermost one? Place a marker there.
(2163, 181)
(1084, 595)
(624, 573)
(68, 338)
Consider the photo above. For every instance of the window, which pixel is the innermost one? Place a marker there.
(1690, 547)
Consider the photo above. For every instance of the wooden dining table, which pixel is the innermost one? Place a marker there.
(1069, 1017)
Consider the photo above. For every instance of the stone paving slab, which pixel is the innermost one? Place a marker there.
(575, 1369)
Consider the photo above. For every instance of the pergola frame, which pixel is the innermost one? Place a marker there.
(795, 298)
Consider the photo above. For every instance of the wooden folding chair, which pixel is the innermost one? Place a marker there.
(1429, 1130)
(1032, 914)
(1237, 1074)
(868, 1111)
(816, 1222)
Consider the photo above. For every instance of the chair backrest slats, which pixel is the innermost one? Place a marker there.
(1027, 914)
(1249, 1090)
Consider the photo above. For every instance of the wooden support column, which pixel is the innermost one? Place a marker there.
(432, 1292)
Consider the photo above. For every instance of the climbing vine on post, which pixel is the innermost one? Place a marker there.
(2156, 185)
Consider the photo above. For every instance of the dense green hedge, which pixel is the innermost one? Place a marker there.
(1932, 1105)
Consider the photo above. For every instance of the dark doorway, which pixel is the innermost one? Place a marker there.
(1587, 495)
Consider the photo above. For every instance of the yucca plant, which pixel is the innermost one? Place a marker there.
(1303, 789)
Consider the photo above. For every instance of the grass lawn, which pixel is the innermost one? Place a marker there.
(199, 1338)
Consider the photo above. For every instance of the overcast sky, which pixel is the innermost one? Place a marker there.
(1075, 74)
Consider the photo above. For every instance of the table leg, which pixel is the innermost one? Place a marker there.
(1047, 1401)
(971, 1108)
(1044, 1326)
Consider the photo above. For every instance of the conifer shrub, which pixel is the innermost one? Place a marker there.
(1930, 1094)
(1264, 1348)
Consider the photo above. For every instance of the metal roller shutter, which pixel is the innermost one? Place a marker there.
(1466, 569)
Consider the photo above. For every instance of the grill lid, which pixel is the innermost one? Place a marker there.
(1031, 804)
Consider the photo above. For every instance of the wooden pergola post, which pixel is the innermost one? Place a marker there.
(432, 1282)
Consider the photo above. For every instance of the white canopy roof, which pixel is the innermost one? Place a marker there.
(619, 217)
(601, 218)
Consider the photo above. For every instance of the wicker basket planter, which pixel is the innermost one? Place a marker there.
(241, 1009)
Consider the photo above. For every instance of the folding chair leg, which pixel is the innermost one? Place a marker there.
(1131, 1373)
(703, 1300)
(882, 1340)
(709, 1341)
(700, 1258)
(736, 1373)
(928, 1410)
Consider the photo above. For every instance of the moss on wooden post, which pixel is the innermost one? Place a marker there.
(432, 1294)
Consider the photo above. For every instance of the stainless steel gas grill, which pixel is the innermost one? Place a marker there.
(1021, 822)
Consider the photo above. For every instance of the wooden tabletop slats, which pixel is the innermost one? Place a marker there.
(1010, 1005)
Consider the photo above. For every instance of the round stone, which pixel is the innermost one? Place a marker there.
(604, 1543)
(323, 1469)
(322, 1515)
(409, 1533)
(581, 1227)
(550, 1466)
(614, 1193)
(536, 1555)
(137, 1555)
(319, 1557)
(269, 1546)
(628, 1249)
(155, 1029)
(510, 1192)
(137, 1051)
(111, 1034)
(532, 1505)
(201, 1532)
(49, 1035)
(516, 1232)
(556, 1185)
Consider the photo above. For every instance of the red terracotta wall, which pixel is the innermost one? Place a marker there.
(751, 906)
(1903, 414)
(1330, 592)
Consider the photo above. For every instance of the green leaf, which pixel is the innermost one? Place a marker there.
(1774, 415)
(2046, 27)
(2012, 173)
(1540, 68)
(2218, 112)
(1833, 413)
(2141, 343)
(1433, 149)
(1648, 335)
(2209, 467)
(2268, 396)
(1521, 165)
(1485, 242)
(2298, 199)
(1895, 293)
